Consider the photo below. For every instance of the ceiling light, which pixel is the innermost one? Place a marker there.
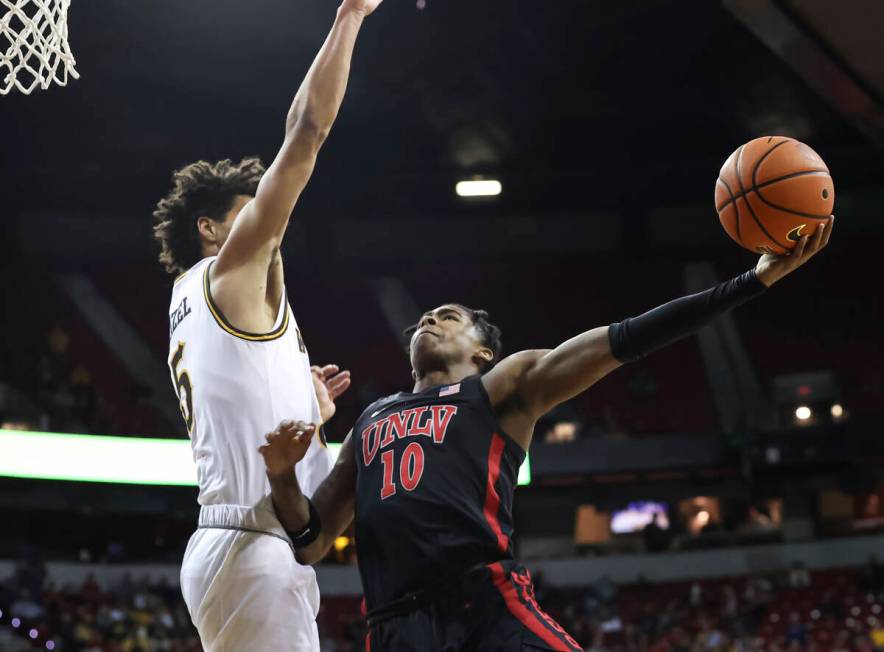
(479, 188)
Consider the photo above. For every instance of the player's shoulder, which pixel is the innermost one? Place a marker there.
(195, 271)
(183, 282)
(374, 409)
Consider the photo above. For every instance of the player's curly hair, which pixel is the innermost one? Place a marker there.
(489, 334)
(199, 189)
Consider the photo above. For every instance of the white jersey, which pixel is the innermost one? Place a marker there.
(233, 388)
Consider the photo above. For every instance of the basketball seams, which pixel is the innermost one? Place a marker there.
(749, 206)
(756, 187)
(770, 182)
(736, 208)
(769, 151)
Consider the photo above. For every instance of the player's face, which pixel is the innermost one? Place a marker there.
(444, 336)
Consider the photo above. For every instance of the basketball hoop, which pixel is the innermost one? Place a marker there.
(34, 47)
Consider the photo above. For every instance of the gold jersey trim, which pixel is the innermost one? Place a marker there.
(227, 326)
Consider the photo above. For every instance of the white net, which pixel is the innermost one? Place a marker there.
(34, 50)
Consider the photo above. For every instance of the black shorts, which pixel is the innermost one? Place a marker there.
(492, 611)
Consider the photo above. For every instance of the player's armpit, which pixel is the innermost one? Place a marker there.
(540, 380)
(568, 370)
(335, 501)
(502, 382)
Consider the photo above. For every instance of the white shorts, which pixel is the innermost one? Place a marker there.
(245, 590)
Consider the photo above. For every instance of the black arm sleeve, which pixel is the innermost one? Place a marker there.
(636, 337)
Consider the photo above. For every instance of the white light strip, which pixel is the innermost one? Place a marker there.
(128, 460)
(479, 188)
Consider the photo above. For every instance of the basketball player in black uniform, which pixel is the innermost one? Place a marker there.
(430, 474)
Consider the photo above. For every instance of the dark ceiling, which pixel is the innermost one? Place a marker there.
(575, 104)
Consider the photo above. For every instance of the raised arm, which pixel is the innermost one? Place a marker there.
(536, 381)
(334, 500)
(259, 228)
(246, 279)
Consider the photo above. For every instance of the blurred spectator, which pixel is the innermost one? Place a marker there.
(842, 642)
(710, 637)
(863, 644)
(796, 631)
(30, 572)
(799, 578)
(85, 399)
(871, 576)
(730, 604)
(54, 377)
(831, 607)
(656, 538)
(605, 590)
(25, 607)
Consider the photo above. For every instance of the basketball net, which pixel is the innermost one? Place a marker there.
(34, 47)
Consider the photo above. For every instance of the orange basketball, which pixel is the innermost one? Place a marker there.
(771, 191)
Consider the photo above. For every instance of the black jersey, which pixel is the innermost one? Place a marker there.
(434, 491)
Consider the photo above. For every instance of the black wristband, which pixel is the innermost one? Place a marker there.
(309, 532)
(636, 337)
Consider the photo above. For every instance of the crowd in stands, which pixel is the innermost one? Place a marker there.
(795, 610)
(131, 616)
(791, 611)
(54, 390)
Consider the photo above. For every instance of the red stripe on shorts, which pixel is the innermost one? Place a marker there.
(527, 617)
(492, 500)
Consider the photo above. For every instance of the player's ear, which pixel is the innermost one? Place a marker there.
(414, 375)
(485, 355)
(208, 229)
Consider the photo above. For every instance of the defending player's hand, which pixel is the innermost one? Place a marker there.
(365, 7)
(771, 269)
(329, 382)
(286, 446)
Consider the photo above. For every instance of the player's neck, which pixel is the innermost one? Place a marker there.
(443, 377)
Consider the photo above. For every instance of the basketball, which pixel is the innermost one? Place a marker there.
(772, 191)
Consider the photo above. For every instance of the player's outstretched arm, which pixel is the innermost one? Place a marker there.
(537, 381)
(258, 230)
(334, 501)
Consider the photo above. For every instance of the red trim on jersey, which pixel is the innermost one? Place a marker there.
(522, 613)
(492, 500)
(368, 641)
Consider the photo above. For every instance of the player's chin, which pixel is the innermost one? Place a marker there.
(422, 350)
(426, 349)
(425, 342)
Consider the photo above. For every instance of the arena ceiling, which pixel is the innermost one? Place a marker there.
(575, 104)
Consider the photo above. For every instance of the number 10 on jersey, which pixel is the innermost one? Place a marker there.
(411, 469)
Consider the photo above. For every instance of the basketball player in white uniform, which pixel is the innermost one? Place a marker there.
(239, 366)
